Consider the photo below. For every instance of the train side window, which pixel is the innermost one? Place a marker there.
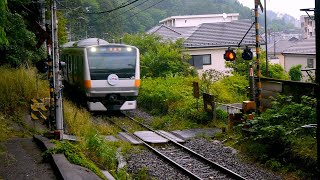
(76, 64)
(80, 65)
(70, 68)
(67, 66)
(73, 67)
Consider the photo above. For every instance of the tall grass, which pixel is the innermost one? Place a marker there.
(19, 86)
(103, 153)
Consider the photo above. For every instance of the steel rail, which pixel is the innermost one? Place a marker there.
(199, 156)
(188, 173)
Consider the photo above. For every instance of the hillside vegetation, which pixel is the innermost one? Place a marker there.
(99, 18)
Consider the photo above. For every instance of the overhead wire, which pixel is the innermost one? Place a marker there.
(117, 16)
(111, 10)
(133, 7)
(68, 8)
(142, 10)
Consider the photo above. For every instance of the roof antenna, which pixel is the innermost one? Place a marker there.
(307, 10)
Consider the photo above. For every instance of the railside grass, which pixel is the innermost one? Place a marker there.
(93, 144)
(18, 86)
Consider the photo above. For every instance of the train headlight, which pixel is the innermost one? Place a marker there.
(129, 49)
(93, 49)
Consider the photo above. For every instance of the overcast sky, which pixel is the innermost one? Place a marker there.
(291, 7)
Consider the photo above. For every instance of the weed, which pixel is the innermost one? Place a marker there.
(122, 174)
(74, 155)
(142, 174)
(273, 164)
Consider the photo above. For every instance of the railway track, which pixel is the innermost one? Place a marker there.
(186, 160)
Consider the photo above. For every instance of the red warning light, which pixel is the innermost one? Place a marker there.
(229, 55)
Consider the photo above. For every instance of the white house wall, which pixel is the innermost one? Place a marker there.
(291, 60)
(185, 22)
(217, 60)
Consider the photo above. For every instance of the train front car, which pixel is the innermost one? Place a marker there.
(113, 79)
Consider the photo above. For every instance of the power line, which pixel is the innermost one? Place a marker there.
(133, 7)
(117, 16)
(111, 10)
(68, 8)
(142, 10)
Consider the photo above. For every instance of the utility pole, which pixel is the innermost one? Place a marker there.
(257, 3)
(57, 78)
(266, 35)
(317, 74)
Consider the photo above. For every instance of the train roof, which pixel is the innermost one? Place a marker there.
(85, 43)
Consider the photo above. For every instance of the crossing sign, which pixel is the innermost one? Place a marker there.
(39, 109)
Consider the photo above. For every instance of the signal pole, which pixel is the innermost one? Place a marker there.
(57, 78)
(257, 3)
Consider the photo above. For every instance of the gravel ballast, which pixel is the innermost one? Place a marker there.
(211, 149)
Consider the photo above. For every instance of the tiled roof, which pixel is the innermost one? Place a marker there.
(306, 46)
(172, 33)
(222, 34)
(281, 45)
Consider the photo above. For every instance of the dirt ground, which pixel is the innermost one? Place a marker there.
(21, 158)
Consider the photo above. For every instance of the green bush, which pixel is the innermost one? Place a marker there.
(230, 89)
(279, 135)
(173, 96)
(295, 73)
(101, 151)
(160, 58)
(160, 94)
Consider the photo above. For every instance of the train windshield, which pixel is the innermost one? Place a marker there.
(119, 60)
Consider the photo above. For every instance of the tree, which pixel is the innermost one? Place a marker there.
(159, 58)
(209, 77)
(18, 42)
(3, 14)
(295, 73)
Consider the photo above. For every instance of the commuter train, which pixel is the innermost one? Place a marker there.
(105, 76)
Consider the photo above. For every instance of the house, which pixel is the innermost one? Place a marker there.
(195, 20)
(276, 47)
(206, 41)
(304, 53)
(308, 25)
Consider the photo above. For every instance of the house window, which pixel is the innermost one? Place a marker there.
(199, 60)
(309, 63)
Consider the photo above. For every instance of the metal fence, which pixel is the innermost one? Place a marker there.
(229, 108)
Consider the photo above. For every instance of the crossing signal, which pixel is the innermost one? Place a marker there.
(229, 55)
(247, 54)
(42, 66)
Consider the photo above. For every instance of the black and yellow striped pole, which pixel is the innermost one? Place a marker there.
(51, 121)
(257, 3)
